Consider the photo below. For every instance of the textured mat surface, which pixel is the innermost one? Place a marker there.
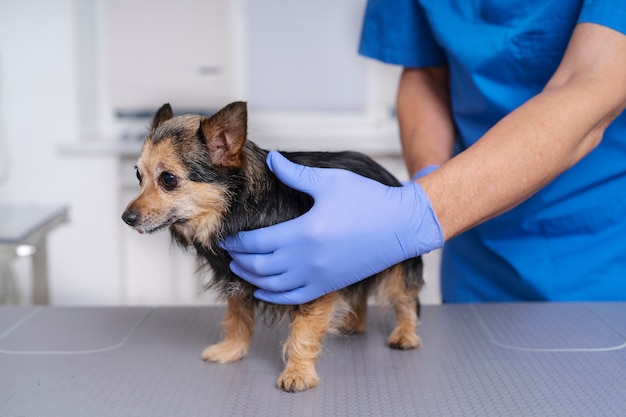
(476, 360)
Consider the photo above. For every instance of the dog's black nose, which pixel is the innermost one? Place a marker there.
(130, 218)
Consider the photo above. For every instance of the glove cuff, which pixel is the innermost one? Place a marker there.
(424, 171)
(425, 230)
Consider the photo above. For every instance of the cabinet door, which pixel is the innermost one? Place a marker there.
(303, 55)
(167, 51)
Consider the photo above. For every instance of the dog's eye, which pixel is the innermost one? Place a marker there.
(168, 181)
(138, 175)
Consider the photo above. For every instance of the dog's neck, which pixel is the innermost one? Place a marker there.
(256, 199)
(263, 199)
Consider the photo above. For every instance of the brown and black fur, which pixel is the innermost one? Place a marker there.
(201, 178)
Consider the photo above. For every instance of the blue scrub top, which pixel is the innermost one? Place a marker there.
(567, 242)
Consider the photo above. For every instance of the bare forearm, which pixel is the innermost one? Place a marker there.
(509, 164)
(531, 146)
(426, 128)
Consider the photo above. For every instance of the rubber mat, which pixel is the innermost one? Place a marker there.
(476, 360)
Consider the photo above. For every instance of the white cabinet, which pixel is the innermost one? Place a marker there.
(294, 62)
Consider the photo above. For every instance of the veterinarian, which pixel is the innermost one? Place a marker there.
(511, 122)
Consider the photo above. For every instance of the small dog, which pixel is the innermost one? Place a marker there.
(201, 178)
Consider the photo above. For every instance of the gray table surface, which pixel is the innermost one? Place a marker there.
(527, 359)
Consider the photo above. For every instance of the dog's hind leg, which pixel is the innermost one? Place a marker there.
(238, 326)
(355, 320)
(403, 299)
(310, 323)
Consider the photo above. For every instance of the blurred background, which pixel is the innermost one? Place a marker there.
(81, 79)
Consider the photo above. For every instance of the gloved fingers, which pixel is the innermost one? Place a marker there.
(269, 283)
(319, 182)
(265, 264)
(252, 242)
(298, 177)
(297, 296)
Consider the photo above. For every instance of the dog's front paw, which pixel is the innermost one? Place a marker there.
(295, 381)
(224, 352)
(403, 340)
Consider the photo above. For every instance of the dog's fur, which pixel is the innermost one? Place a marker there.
(201, 178)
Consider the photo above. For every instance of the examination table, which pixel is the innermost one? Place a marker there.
(527, 359)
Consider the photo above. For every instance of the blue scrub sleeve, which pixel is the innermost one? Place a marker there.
(611, 14)
(397, 32)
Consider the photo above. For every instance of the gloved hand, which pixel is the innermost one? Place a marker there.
(356, 228)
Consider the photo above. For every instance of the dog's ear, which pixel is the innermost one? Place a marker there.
(163, 114)
(225, 133)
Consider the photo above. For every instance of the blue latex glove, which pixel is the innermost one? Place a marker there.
(356, 228)
(424, 171)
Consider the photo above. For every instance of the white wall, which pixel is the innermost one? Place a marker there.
(40, 111)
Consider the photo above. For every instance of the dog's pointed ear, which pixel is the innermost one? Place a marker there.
(225, 133)
(163, 114)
